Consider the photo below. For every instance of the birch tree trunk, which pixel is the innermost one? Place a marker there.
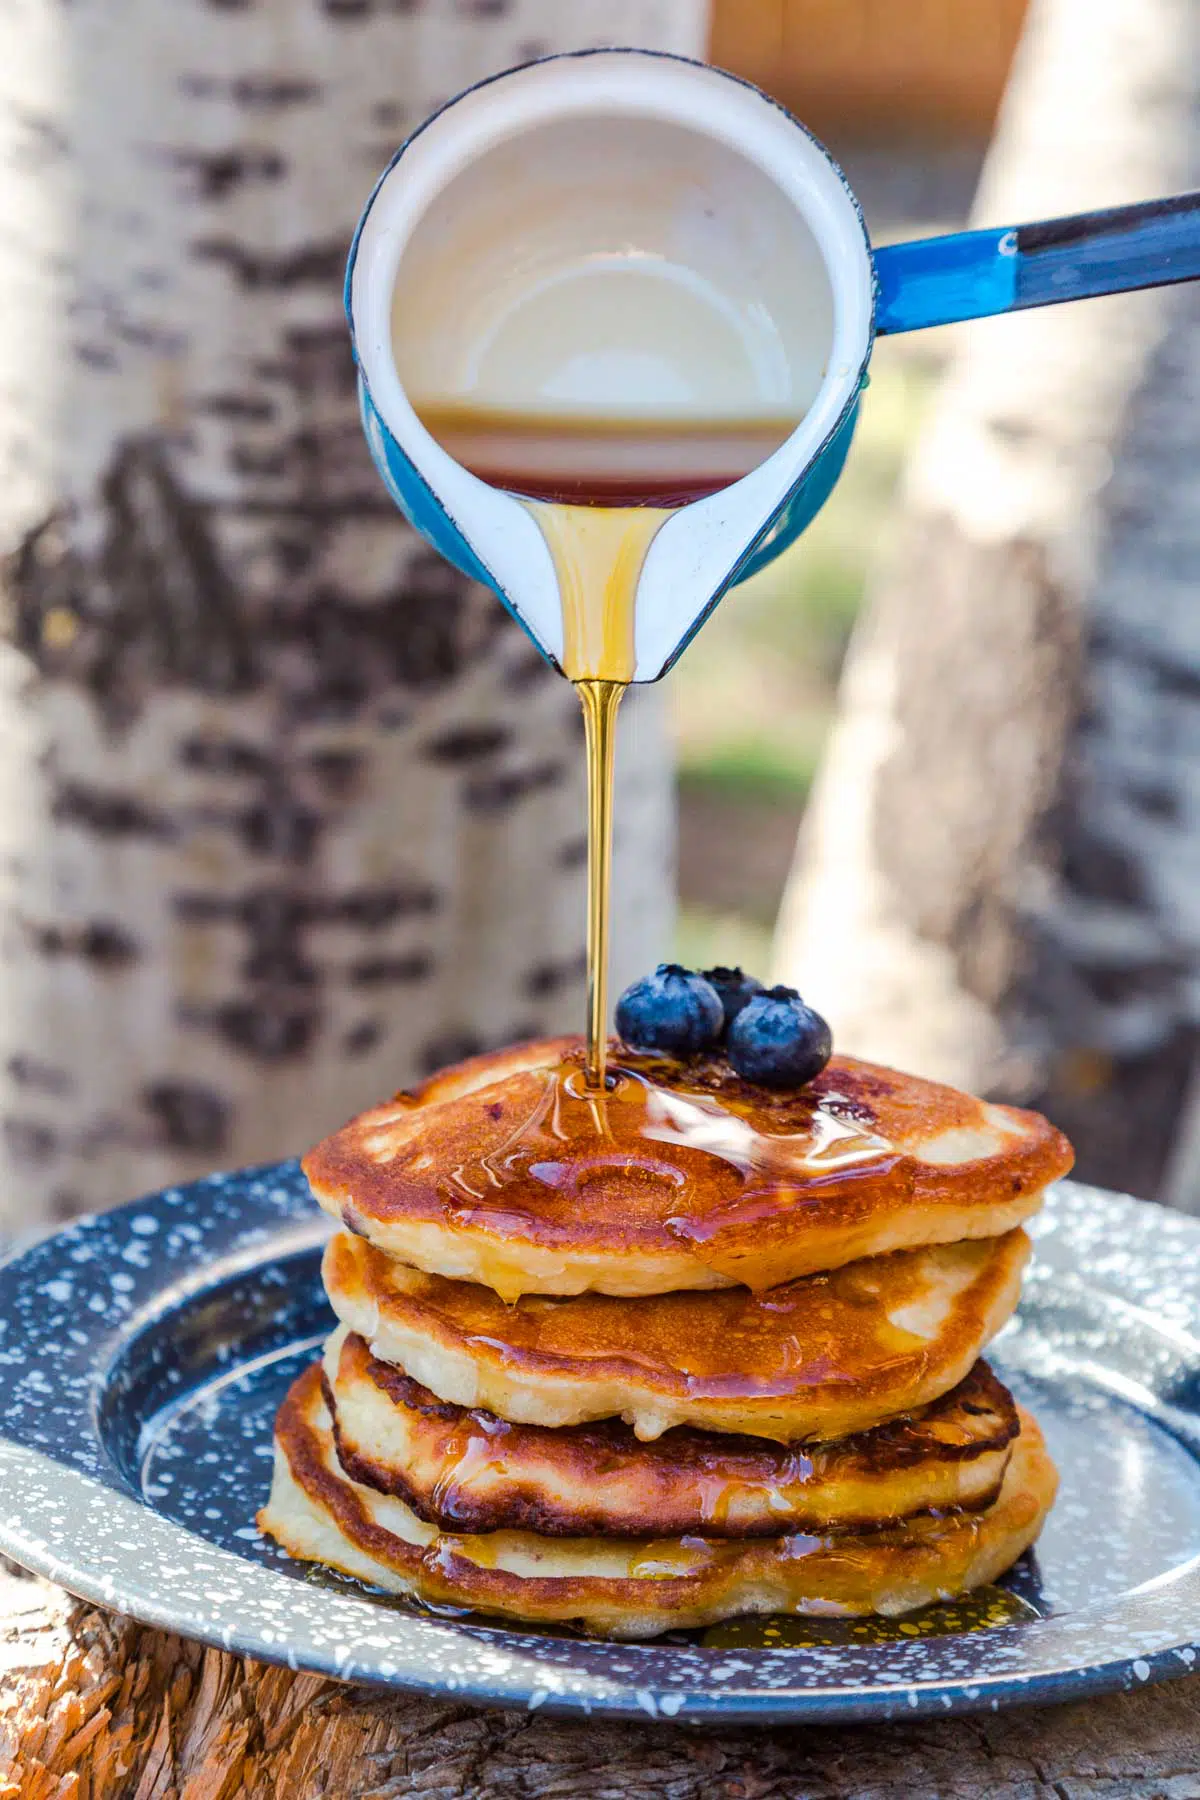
(289, 811)
(999, 881)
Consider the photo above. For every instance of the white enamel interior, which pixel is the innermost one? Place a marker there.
(614, 233)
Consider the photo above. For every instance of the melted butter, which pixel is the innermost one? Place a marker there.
(985, 1609)
(659, 1151)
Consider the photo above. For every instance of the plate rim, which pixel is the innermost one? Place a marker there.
(259, 1214)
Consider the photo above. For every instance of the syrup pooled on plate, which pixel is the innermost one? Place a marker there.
(987, 1608)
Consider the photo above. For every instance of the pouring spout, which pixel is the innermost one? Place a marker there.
(976, 274)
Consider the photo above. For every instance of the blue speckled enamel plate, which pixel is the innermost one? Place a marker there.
(142, 1356)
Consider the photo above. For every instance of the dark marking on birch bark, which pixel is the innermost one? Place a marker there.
(468, 743)
(269, 1028)
(272, 911)
(1114, 642)
(1098, 869)
(267, 95)
(362, 1037)
(153, 608)
(216, 175)
(27, 1072)
(239, 409)
(30, 1141)
(294, 554)
(549, 978)
(372, 908)
(392, 971)
(1105, 1105)
(338, 773)
(279, 963)
(224, 756)
(346, 654)
(188, 1116)
(1157, 801)
(106, 945)
(42, 140)
(497, 793)
(453, 1045)
(447, 1047)
(246, 459)
(572, 854)
(110, 814)
(281, 1011)
(484, 9)
(316, 265)
(364, 9)
(525, 669)
(161, 343)
(95, 356)
(282, 827)
(949, 859)
(255, 93)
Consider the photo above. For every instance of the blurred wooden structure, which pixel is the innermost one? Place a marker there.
(875, 68)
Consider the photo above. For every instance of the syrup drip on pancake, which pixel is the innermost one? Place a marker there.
(637, 1589)
(468, 1470)
(730, 1151)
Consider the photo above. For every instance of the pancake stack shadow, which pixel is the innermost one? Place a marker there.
(679, 1353)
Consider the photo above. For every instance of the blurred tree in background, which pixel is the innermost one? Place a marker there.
(999, 878)
(289, 811)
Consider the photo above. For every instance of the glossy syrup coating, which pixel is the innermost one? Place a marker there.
(507, 1170)
(815, 1358)
(465, 1469)
(637, 1588)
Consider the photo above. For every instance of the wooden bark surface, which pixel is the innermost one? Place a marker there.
(97, 1708)
(997, 883)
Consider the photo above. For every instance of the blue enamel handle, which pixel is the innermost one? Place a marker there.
(973, 274)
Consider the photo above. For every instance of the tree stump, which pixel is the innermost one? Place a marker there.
(96, 1707)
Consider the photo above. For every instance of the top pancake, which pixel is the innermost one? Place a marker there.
(505, 1170)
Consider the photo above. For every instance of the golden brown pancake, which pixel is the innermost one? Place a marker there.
(636, 1588)
(469, 1471)
(822, 1357)
(506, 1170)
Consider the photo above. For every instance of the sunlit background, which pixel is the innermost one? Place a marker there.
(907, 105)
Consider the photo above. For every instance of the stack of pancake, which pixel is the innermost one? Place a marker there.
(665, 1355)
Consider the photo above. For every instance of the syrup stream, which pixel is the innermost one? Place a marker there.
(600, 700)
(598, 554)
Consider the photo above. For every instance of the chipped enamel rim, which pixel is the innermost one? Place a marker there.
(71, 1305)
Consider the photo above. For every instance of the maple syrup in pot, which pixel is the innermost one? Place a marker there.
(600, 488)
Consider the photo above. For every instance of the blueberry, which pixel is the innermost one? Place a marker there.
(674, 1009)
(734, 989)
(777, 1041)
